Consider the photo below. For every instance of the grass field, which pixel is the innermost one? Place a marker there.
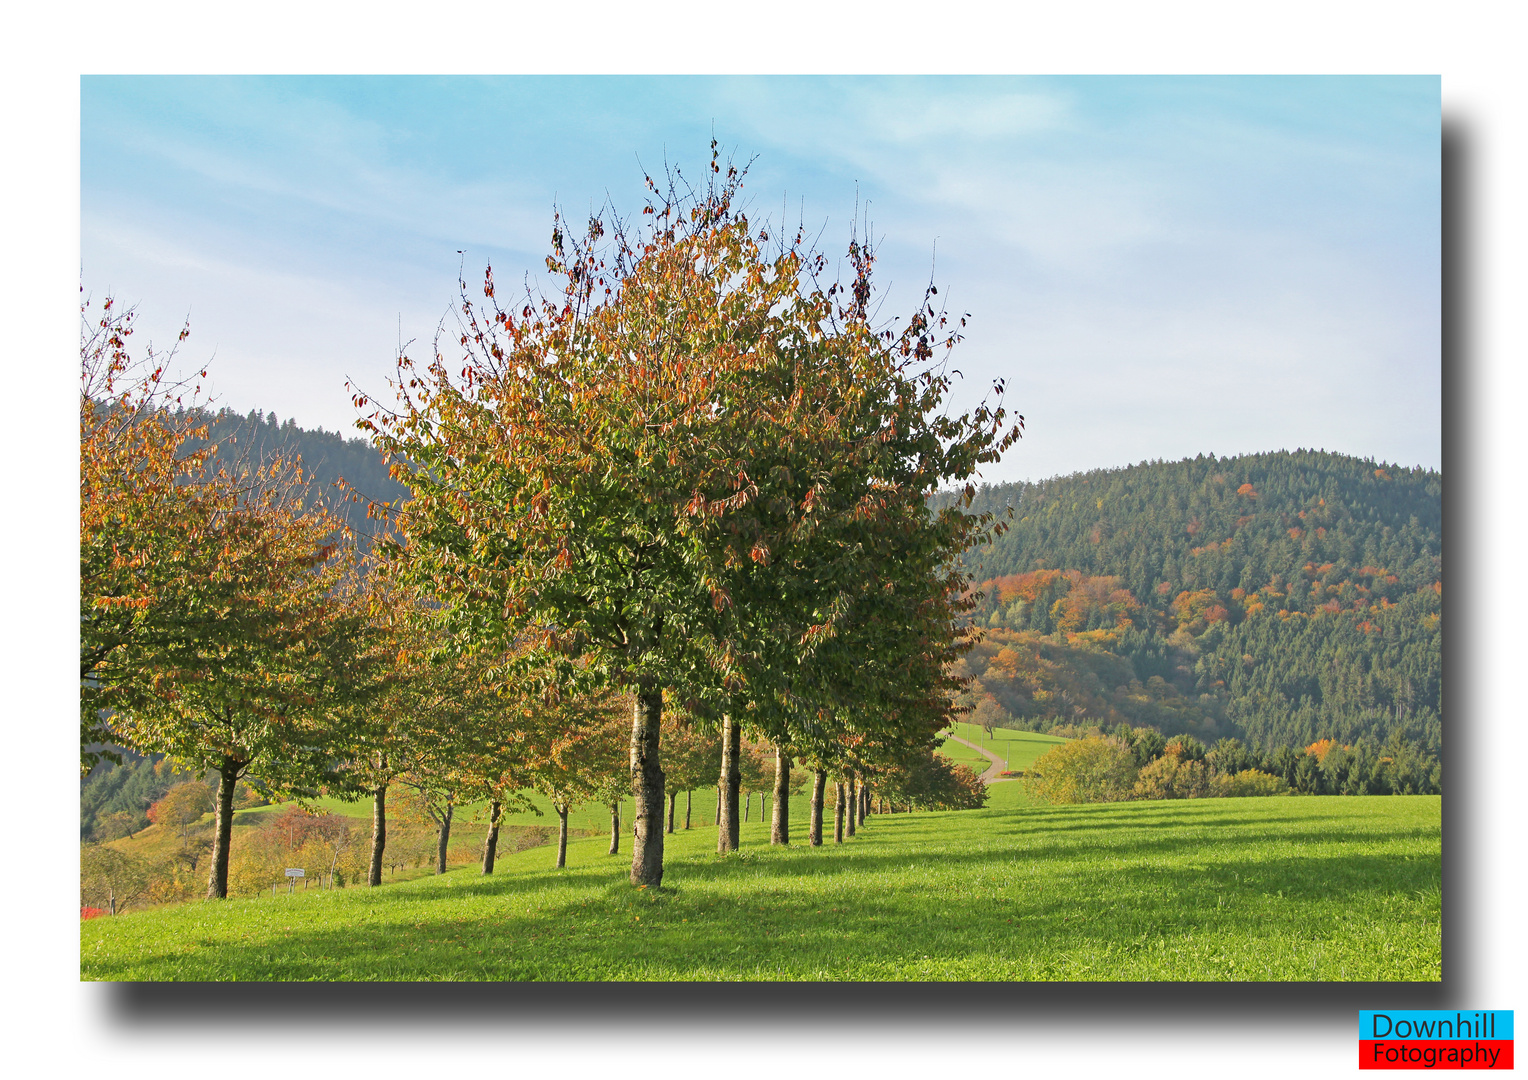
(1021, 747)
(593, 817)
(1212, 889)
(1018, 748)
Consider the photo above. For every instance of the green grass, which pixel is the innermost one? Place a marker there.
(1018, 748)
(972, 759)
(1213, 889)
(588, 816)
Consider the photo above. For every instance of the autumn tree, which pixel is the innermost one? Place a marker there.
(183, 805)
(692, 759)
(613, 462)
(257, 681)
(113, 878)
(584, 737)
(146, 502)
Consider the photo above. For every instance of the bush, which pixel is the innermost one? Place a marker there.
(1085, 771)
(1170, 777)
(1249, 782)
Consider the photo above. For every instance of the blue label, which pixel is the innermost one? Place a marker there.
(1412, 1025)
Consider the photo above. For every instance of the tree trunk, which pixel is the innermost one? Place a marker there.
(747, 806)
(217, 881)
(445, 839)
(780, 820)
(615, 828)
(673, 800)
(851, 797)
(814, 831)
(728, 828)
(688, 796)
(378, 834)
(491, 845)
(562, 836)
(838, 813)
(647, 782)
(864, 803)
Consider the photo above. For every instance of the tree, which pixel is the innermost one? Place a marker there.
(259, 678)
(613, 462)
(1085, 771)
(691, 757)
(112, 878)
(579, 761)
(145, 489)
(183, 805)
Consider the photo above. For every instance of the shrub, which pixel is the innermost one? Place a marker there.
(1085, 771)
(1169, 777)
(1249, 782)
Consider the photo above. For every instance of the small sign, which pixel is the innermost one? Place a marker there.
(294, 871)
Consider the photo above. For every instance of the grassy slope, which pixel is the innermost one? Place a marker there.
(590, 816)
(1022, 746)
(1283, 888)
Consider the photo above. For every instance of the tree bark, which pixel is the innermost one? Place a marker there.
(647, 782)
(814, 831)
(615, 828)
(688, 797)
(747, 806)
(378, 834)
(673, 800)
(562, 836)
(864, 803)
(445, 839)
(728, 827)
(780, 820)
(838, 813)
(491, 845)
(217, 881)
(851, 798)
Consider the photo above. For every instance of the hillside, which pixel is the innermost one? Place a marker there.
(327, 457)
(1282, 598)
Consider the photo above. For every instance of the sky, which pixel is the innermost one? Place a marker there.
(1155, 267)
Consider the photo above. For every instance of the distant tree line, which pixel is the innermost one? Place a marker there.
(1138, 763)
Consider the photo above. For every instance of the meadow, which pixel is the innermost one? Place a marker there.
(1294, 888)
(1019, 747)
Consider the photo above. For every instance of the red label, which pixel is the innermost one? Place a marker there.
(1441, 1054)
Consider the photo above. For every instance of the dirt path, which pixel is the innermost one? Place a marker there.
(993, 770)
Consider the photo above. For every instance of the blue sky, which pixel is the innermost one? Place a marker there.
(1157, 267)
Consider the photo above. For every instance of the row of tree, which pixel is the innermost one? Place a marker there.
(1138, 763)
(689, 486)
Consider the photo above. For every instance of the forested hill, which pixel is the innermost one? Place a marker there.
(326, 458)
(1285, 597)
